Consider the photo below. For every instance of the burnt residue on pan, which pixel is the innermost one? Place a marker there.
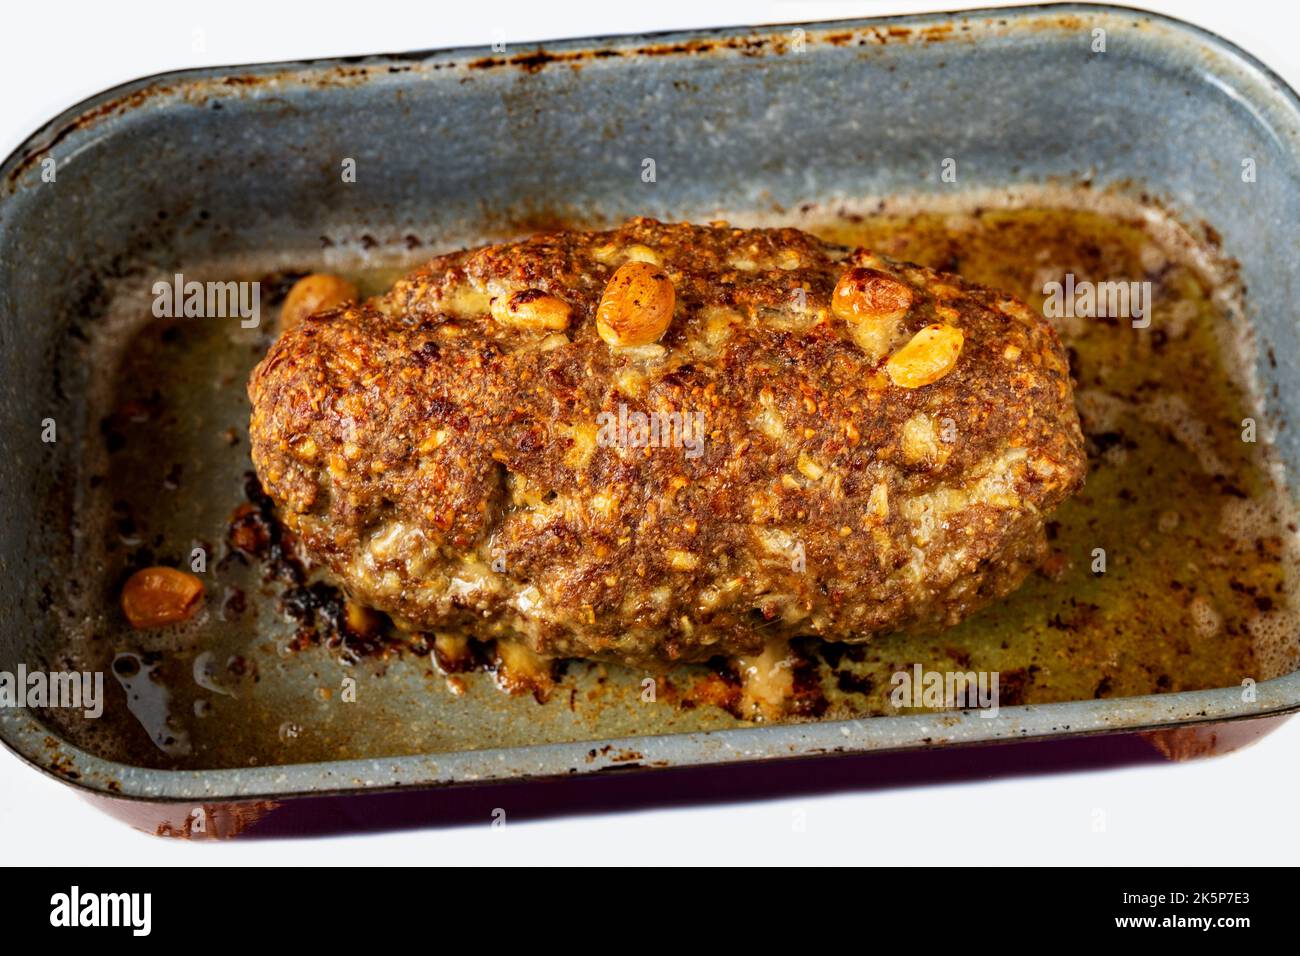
(199, 90)
(1198, 591)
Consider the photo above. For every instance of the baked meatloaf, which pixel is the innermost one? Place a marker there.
(668, 442)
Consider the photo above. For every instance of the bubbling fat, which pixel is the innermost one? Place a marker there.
(1274, 631)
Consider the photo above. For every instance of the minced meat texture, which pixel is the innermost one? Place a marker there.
(754, 475)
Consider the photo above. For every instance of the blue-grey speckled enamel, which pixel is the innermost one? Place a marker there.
(245, 159)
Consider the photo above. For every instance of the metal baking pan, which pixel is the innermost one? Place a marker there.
(236, 172)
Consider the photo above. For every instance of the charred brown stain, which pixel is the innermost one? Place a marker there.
(614, 756)
(204, 821)
(937, 33)
(63, 765)
(534, 61)
(119, 104)
(246, 80)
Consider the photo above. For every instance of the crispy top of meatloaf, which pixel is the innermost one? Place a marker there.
(799, 452)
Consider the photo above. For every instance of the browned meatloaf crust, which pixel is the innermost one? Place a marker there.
(453, 471)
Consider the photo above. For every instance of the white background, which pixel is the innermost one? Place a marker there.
(1234, 809)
